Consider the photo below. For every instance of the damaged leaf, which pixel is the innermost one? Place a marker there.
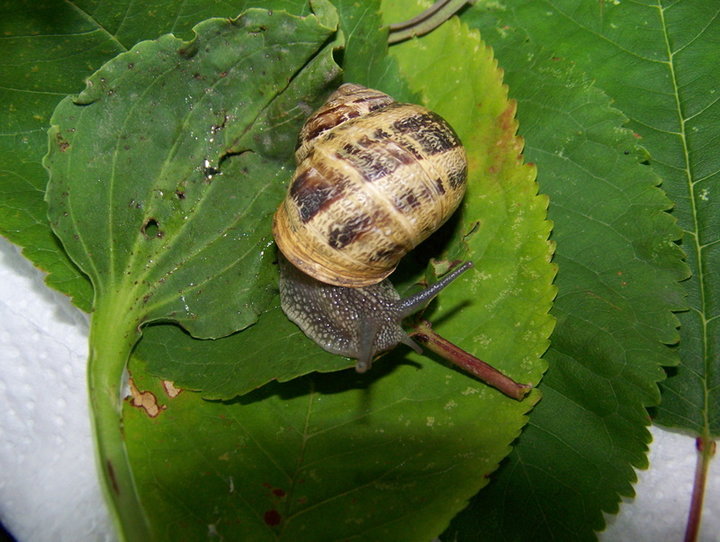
(163, 172)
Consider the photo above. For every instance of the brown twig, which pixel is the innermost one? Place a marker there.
(706, 450)
(425, 335)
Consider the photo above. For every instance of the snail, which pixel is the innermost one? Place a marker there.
(374, 179)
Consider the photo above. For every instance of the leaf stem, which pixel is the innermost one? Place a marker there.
(706, 450)
(113, 333)
(425, 335)
(426, 22)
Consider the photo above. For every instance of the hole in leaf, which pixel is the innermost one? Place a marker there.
(151, 229)
(210, 172)
(188, 51)
(230, 155)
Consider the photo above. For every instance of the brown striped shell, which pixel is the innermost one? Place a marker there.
(374, 179)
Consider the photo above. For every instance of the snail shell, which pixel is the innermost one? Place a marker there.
(374, 179)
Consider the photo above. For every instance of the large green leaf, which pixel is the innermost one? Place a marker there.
(365, 450)
(167, 209)
(163, 173)
(50, 47)
(617, 286)
(480, 422)
(218, 368)
(273, 349)
(664, 79)
(390, 455)
(502, 227)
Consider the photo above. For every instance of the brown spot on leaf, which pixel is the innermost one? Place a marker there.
(170, 389)
(188, 51)
(272, 517)
(63, 144)
(111, 476)
(145, 400)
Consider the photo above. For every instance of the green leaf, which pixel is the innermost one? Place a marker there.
(273, 349)
(163, 172)
(663, 79)
(502, 227)
(617, 285)
(365, 59)
(218, 368)
(186, 171)
(390, 455)
(50, 48)
(41, 75)
(127, 23)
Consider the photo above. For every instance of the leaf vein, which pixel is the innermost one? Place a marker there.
(92, 20)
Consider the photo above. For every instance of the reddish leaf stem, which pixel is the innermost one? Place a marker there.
(706, 450)
(425, 335)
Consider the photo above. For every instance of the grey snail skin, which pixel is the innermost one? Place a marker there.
(353, 322)
(374, 179)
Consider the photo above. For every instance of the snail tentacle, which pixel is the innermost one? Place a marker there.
(367, 333)
(412, 304)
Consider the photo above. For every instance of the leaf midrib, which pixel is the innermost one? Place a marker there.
(695, 234)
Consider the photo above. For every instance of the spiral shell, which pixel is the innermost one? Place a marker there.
(374, 179)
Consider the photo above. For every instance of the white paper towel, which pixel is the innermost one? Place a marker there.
(49, 490)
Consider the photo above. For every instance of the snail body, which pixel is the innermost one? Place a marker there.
(374, 179)
(353, 322)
